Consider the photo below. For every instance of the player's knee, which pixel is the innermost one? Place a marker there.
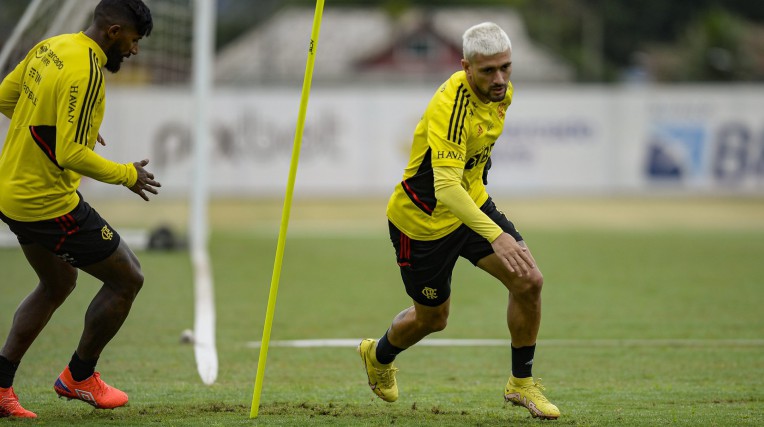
(529, 287)
(132, 277)
(136, 281)
(439, 325)
(437, 322)
(61, 287)
(536, 281)
(129, 283)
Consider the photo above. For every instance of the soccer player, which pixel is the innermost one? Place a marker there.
(441, 211)
(55, 99)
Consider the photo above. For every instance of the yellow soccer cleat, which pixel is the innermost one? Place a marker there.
(381, 377)
(527, 393)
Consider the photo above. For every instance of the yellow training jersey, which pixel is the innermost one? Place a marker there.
(456, 130)
(55, 99)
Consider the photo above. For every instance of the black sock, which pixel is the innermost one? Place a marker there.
(81, 369)
(522, 361)
(386, 352)
(7, 372)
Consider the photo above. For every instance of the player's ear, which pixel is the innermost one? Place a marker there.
(113, 31)
(466, 66)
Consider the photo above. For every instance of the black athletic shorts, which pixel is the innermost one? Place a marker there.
(80, 237)
(426, 265)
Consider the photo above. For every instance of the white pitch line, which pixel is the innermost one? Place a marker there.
(446, 342)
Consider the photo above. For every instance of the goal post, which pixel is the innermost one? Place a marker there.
(204, 313)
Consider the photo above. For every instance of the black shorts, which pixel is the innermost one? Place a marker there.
(426, 265)
(80, 237)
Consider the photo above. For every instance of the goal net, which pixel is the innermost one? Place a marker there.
(165, 60)
(165, 56)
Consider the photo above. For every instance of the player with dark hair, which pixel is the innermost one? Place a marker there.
(441, 211)
(55, 99)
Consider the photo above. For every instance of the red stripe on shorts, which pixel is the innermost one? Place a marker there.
(405, 252)
(68, 226)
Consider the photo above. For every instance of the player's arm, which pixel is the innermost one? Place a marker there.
(84, 161)
(10, 90)
(449, 191)
(72, 151)
(447, 135)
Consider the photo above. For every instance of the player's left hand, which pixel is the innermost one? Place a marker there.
(145, 181)
(100, 140)
(513, 255)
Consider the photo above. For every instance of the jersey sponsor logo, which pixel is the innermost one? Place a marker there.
(34, 75)
(29, 94)
(74, 90)
(480, 157)
(106, 234)
(479, 129)
(459, 113)
(46, 55)
(450, 155)
(430, 293)
(42, 50)
(33, 78)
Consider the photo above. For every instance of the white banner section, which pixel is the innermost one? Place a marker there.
(566, 140)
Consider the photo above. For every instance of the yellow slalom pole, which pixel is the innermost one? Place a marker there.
(287, 208)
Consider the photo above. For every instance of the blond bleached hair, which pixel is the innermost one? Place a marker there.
(485, 39)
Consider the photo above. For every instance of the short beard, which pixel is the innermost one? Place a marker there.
(499, 99)
(113, 59)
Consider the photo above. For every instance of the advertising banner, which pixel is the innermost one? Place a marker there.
(566, 140)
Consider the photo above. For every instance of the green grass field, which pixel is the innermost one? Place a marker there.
(652, 316)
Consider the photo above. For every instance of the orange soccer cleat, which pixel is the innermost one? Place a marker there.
(10, 406)
(92, 391)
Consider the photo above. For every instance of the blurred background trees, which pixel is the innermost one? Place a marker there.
(604, 40)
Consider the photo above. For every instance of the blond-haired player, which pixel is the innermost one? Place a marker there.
(441, 211)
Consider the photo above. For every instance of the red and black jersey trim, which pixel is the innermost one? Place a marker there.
(458, 114)
(95, 82)
(45, 137)
(421, 187)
